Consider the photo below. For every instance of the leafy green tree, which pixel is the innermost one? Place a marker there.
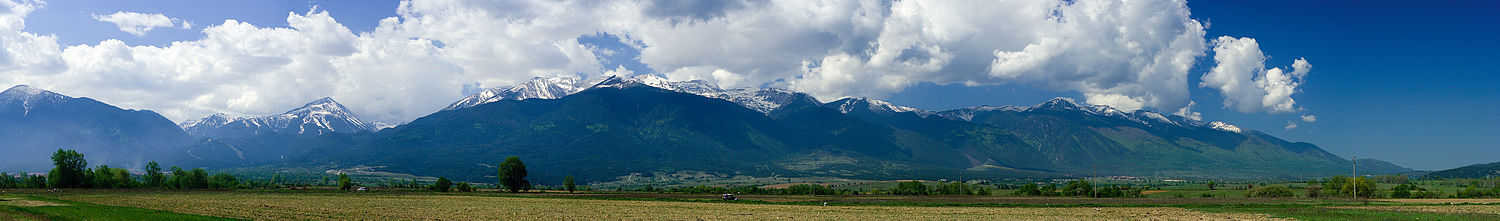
(154, 178)
(123, 179)
(198, 179)
(442, 184)
(35, 181)
(179, 178)
(276, 180)
(568, 183)
(1078, 188)
(1403, 191)
(1110, 191)
(982, 191)
(223, 181)
(465, 187)
(88, 179)
(1365, 185)
(68, 170)
(1050, 190)
(1030, 189)
(344, 182)
(9, 182)
(910, 188)
(513, 174)
(103, 177)
(1211, 184)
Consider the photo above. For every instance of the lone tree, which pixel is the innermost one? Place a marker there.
(1211, 184)
(68, 172)
(344, 182)
(513, 174)
(568, 183)
(154, 178)
(442, 184)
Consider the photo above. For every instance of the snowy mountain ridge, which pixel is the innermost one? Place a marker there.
(765, 100)
(314, 118)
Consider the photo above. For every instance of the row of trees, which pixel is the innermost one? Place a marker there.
(941, 188)
(1342, 186)
(1079, 188)
(71, 171)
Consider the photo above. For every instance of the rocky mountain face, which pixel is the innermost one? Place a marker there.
(646, 124)
(35, 122)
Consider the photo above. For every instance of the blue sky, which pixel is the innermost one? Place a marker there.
(1411, 83)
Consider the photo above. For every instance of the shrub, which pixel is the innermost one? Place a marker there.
(442, 184)
(910, 188)
(1271, 191)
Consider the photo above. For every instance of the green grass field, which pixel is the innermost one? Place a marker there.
(44, 208)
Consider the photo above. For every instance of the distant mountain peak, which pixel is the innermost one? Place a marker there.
(215, 120)
(852, 104)
(635, 81)
(24, 89)
(28, 92)
(320, 116)
(1060, 103)
(325, 105)
(1226, 127)
(537, 87)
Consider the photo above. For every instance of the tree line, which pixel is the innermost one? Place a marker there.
(1079, 188)
(71, 171)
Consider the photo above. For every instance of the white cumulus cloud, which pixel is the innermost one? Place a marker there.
(1240, 74)
(1127, 54)
(138, 24)
(1309, 118)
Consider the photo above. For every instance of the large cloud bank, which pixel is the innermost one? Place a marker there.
(1127, 54)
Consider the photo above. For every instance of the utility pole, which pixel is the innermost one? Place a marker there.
(1354, 170)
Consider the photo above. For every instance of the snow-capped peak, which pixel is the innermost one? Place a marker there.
(634, 81)
(1220, 125)
(31, 97)
(967, 113)
(538, 87)
(318, 117)
(322, 106)
(1059, 103)
(23, 92)
(847, 105)
(215, 120)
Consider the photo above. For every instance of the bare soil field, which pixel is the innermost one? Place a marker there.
(268, 206)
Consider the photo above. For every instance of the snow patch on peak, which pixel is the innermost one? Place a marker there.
(967, 113)
(847, 105)
(1220, 125)
(26, 90)
(536, 88)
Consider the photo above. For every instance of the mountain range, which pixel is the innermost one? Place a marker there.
(618, 126)
(34, 123)
(322, 116)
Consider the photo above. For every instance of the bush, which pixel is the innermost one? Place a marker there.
(442, 184)
(910, 188)
(1030, 189)
(1078, 188)
(223, 181)
(464, 187)
(1271, 191)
